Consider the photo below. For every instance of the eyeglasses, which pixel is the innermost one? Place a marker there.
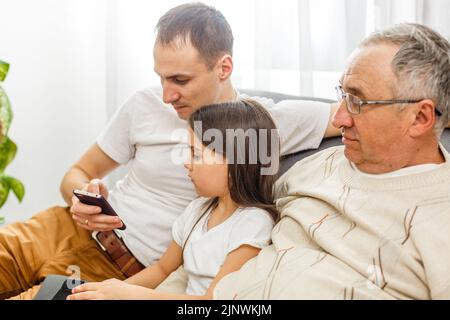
(354, 103)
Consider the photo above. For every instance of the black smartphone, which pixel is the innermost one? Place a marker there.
(98, 200)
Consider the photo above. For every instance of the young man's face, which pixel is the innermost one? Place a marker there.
(186, 80)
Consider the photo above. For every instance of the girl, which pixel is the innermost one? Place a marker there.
(231, 221)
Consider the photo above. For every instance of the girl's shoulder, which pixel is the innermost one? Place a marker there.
(198, 203)
(196, 207)
(252, 226)
(184, 224)
(250, 215)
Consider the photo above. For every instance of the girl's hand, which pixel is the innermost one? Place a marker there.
(111, 289)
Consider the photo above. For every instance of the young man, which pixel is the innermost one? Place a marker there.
(193, 57)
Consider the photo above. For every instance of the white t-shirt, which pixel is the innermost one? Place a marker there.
(145, 134)
(206, 250)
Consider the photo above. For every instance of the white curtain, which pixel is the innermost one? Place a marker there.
(302, 46)
(73, 62)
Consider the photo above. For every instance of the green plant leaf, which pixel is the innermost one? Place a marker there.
(4, 190)
(8, 151)
(8, 148)
(17, 187)
(6, 185)
(6, 114)
(4, 67)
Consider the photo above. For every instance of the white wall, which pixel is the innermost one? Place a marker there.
(56, 85)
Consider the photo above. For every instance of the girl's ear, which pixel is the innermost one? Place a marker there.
(225, 67)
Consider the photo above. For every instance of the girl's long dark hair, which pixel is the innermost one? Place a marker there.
(247, 185)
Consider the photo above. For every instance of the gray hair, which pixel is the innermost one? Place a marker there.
(422, 65)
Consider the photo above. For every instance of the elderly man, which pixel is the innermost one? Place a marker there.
(371, 219)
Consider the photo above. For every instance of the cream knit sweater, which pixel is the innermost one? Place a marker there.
(346, 235)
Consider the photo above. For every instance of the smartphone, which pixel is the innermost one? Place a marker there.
(98, 200)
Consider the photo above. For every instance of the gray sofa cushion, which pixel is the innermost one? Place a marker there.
(290, 160)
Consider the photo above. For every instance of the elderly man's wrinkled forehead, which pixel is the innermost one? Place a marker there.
(369, 68)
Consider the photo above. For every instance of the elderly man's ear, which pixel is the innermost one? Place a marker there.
(423, 118)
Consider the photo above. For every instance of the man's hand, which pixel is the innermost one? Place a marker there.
(90, 217)
(111, 289)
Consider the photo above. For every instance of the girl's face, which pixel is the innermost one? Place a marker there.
(207, 170)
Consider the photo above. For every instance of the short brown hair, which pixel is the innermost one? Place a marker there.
(204, 26)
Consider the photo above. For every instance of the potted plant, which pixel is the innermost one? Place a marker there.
(8, 148)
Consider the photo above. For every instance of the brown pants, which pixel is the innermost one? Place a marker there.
(48, 243)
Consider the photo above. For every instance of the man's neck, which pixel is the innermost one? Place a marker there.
(228, 93)
(426, 153)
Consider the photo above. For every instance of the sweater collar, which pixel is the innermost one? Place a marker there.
(355, 179)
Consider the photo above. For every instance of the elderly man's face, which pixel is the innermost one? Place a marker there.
(372, 137)
(186, 80)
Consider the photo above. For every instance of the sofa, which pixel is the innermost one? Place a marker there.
(289, 160)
